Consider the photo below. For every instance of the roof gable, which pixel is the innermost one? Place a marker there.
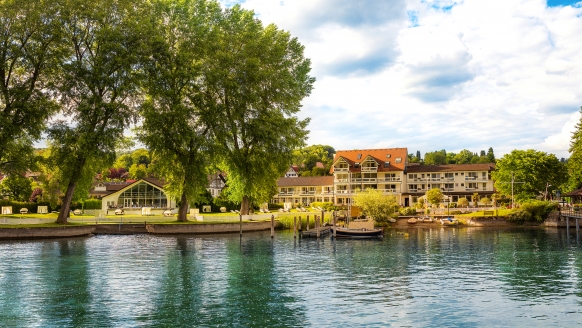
(397, 158)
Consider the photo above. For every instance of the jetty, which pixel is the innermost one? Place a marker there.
(316, 232)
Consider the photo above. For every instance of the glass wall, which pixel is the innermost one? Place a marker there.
(143, 195)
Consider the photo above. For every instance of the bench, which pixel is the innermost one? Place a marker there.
(488, 212)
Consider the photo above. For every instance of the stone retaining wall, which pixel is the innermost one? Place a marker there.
(53, 232)
(206, 228)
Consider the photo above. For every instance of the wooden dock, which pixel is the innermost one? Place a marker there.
(312, 233)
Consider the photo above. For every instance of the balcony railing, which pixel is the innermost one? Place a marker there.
(415, 190)
(343, 192)
(388, 191)
(389, 179)
(369, 169)
(341, 180)
(341, 169)
(307, 192)
(448, 189)
(369, 180)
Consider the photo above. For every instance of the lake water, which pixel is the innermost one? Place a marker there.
(467, 277)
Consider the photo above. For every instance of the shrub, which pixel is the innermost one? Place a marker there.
(407, 211)
(31, 206)
(327, 206)
(532, 211)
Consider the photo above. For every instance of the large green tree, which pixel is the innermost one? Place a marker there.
(306, 159)
(97, 89)
(436, 157)
(173, 126)
(575, 160)
(255, 78)
(534, 171)
(29, 51)
(16, 187)
(375, 204)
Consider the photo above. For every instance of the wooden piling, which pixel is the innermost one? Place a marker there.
(294, 227)
(577, 225)
(240, 224)
(334, 223)
(307, 228)
(272, 226)
(318, 233)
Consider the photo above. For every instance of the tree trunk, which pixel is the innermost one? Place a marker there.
(66, 204)
(183, 210)
(245, 206)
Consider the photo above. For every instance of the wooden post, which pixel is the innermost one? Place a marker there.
(322, 217)
(317, 226)
(577, 225)
(307, 228)
(294, 227)
(240, 217)
(272, 226)
(568, 225)
(334, 223)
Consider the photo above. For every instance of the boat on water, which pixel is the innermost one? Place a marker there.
(449, 222)
(358, 233)
(412, 221)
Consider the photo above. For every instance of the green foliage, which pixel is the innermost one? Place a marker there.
(434, 196)
(29, 51)
(31, 206)
(16, 187)
(407, 211)
(255, 79)
(375, 204)
(464, 157)
(306, 159)
(533, 169)
(436, 158)
(327, 206)
(575, 161)
(486, 200)
(138, 171)
(532, 211)
(462, 202)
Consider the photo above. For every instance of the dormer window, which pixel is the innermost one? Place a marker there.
(388, 156)
(359, 156)
(386, 164)
(357, 165)
(398, 159)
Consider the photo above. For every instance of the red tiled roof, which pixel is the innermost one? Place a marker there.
(305, 181)
(379, 155)
(450, 168)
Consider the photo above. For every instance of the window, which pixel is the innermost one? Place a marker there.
(462, 184)
(143, 195)
(484, 186)
(386, 164)
(359, 156)
(398, 159)
(388, 156)
(357, 165)
(456, 173)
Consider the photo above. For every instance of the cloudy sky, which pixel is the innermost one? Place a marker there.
(438, 74)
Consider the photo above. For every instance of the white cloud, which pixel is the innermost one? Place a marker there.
(429, 75)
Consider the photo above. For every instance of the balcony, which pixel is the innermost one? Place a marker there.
(388, 191)
(341, 169)
(341, 180)
(389, 179)
(369, 180)
(343, 192)
(307, 192)
(447, 189)
(470, 189)
(369, 169)
(415, 190)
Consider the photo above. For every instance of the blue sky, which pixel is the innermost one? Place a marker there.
(429, 75)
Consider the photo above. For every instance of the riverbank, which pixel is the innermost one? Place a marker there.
(67, 231)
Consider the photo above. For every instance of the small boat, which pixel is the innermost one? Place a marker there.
(358, 233)
(392, 220)
(412, 221)
(449, 222)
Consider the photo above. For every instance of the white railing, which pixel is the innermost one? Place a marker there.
(448, 189)
(369, 169)
(389, 179)
(341, 180)
(341, 169)
(388, 191)
(369, 180)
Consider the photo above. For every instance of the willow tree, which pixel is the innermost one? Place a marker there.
(97, 89)
(172, 127)
(29, 49)
(255, 78)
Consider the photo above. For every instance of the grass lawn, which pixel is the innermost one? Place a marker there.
(500, 212)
